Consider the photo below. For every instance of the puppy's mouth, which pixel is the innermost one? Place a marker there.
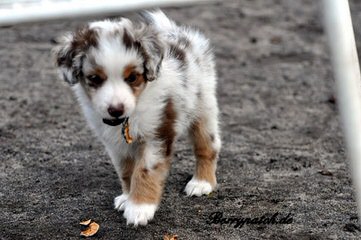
(113, 122)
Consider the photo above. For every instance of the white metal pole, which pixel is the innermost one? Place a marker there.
(47, 10)
(348, 81)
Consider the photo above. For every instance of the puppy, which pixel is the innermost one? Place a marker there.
(141, 86)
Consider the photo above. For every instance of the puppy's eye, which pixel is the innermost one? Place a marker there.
(95, 80)
(131, 78)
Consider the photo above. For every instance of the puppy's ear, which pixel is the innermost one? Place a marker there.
(70, 52)
(64, 54)
(152, 48)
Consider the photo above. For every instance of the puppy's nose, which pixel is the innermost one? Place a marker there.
(116, 111)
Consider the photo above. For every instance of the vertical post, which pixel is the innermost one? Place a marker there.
(348, 81)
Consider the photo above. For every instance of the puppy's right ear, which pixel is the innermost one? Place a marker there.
(64, 54)
(71, 51)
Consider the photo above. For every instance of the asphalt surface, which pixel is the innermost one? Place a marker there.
(282, 154)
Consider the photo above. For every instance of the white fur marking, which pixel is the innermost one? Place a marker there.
(152, 155)
(119, 202)
(139, 214)
(198, 188)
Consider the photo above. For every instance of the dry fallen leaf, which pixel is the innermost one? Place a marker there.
(170, 237)
(91, 230)
(86, 222)
(325, 173)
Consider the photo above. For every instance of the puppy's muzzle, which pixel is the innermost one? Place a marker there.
(116, 111)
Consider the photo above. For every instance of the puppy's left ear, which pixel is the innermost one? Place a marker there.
(152, 49)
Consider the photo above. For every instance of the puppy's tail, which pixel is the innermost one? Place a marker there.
(158, 19)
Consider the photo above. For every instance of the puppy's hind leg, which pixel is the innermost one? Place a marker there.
(206, 141)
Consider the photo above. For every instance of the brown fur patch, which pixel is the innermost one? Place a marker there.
(127, 167)
(166, 132)
(147, 186)
(85, 38)
(128, 70)
(205, 154)
(139, 84)
(98, 71)
(90, 86)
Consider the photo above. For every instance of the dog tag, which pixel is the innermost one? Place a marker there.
(125, 132)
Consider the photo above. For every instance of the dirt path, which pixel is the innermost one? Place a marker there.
(282, 147)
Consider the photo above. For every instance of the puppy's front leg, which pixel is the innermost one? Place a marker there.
(146, 185)
(126, 170)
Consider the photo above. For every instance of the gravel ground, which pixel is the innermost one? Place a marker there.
(282, 153)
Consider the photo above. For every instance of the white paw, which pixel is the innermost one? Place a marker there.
(119, 202)
(139, 214)
(198, 187)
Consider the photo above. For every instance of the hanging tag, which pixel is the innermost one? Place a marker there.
(125, 132)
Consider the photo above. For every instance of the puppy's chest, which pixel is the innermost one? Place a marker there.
(173, 107)
(170, 121)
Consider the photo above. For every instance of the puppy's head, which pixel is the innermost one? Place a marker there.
(112, 61)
